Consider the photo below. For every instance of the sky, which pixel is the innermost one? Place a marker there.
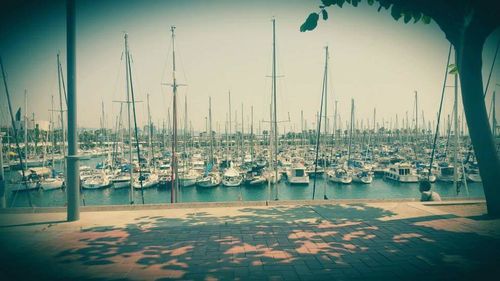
(224, 46)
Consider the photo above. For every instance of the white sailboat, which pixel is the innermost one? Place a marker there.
(211, 178)
(96, 181)
(146, 180)
(339, 175)
(231, 177)
(362, 176)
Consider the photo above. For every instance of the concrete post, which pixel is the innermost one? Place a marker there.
(72, 178)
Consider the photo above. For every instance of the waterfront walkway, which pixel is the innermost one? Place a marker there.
(305, 241)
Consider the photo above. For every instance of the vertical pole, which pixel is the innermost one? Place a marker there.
(455, 132)
(73, 181)
(2, 177)
(129, 120)
(230, 137)
(494, 116)
(63, 135)
(416, 115)
(25, 130)
(174, 187)
(302, 127)
(275, 114)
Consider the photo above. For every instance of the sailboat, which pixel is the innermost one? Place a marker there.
(339, 175)
(146, 180)
(96, 181)
(272, 175)
(124, 177)
(231, 177)
(211, 178)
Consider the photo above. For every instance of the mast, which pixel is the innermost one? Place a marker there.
(242, 136)
(251, 134)
(2, 175)
(350, 131)
(455, 131)
(230, 137)
(63, 135)
(416, 114)
(275, 121)
(318, 139)
(185, 123)
(326, 91)
(51, 131)
(18, 148)
(129, 119)
(136, 133)
(150, 133)
(102, 121)
(302, 127)
(211, 159)
(494, 116)
(269, 181)
(174, 188)
(26, 129)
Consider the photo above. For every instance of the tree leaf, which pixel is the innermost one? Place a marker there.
(416, 16)
(385, 3)
(310, 23)
(370, 2)
(407, 16)
(324, 14)
(426, 19)
(396, 12)
(355, 2)
(453, 69)
(328, 2)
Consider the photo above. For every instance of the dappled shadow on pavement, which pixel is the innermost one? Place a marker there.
(324, 242)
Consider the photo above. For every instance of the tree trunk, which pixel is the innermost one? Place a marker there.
(469, 63)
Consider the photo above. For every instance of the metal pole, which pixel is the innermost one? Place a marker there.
(2, 177)
(274, 112)
(72, 179)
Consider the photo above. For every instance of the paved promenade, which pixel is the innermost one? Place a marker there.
(348, 241)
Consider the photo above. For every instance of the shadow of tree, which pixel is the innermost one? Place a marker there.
(284, 242)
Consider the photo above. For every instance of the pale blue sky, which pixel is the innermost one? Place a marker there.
(226, 45)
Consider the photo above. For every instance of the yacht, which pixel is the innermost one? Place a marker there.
(255, 178)
(362, 176)
(401, 172)
(297, 174)
(148, 180)
(339, 175)
(120, 180)
(188, 178)
(231, 177)
(51, 183)
(446, 172)
(96, 181)
(473, 175)
(212, 179)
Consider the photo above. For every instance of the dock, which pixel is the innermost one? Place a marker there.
(299, 240)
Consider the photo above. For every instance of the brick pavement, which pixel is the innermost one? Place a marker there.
(357, 241)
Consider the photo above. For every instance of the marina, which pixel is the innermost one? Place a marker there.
(249, 140)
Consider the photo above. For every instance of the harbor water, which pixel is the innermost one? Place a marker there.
(379, 189)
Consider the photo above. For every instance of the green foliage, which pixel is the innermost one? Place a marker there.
(398, 9)
(324, 14)
(310, 23)
(452, 69)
